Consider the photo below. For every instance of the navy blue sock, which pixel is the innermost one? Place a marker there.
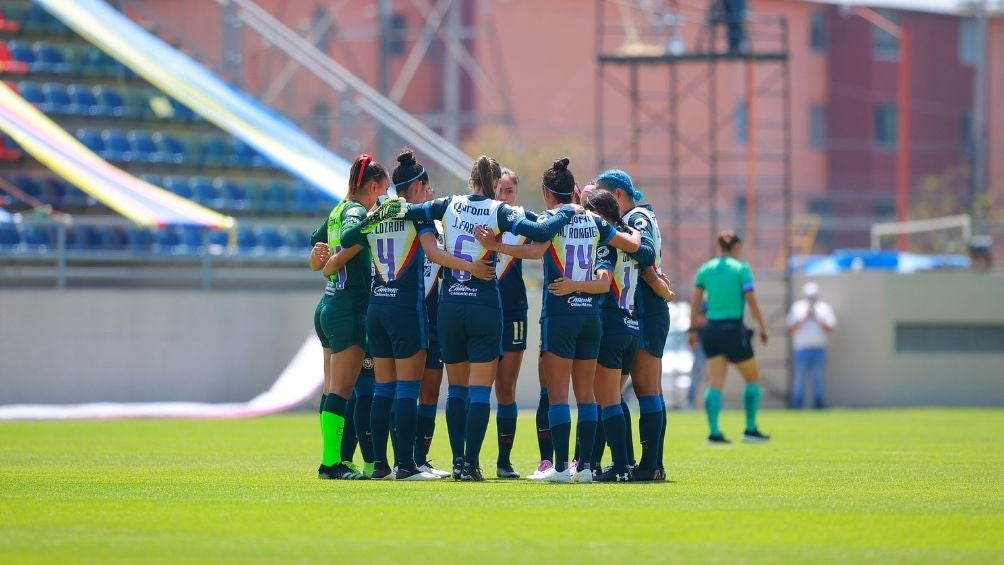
(662, 434)
(405, 420)
(425, 428)
(628, 432)
(505, 421)
(649, 424)
(477, 423)
(349, 439)
(456, 418)
(383, 400)
(364, 404)
(585, 433)
(599, 444)
(559, 418)
(544, 443)
(614, 429)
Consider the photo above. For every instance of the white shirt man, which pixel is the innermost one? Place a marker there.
(810, 320)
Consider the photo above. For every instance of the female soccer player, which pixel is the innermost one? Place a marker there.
(470, 311)
(570, 322)
(653, 325)
(396, 320)
(514, 317)
(620, 333)
(727, 283)
(346, 308)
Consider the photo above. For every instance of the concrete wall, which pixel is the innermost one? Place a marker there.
(147, 345)
(866, 370)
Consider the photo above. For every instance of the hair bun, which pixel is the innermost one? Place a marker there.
(407, 157)
(561, 164)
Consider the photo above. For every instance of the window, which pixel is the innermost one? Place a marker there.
(947, 338)
(885, 126)
(884, 44)
(321, 28)
(817, 31)
(817, 126)
(322, 122)
(740, 122)
(968, 40)
(966, 134)
(395, 44)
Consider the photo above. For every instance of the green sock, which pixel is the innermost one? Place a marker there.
(713, 405)
(368, 468)
(332, 429)
(751, 401)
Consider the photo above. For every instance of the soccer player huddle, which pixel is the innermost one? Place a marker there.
(416, 283)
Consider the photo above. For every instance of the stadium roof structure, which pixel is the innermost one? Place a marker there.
(951, 7)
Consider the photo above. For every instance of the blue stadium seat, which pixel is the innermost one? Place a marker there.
(247, 240)
(117, 147)
(89, 104)
(48, 59)
(233, 196)
(304, 199)
(39, 237)
(182, 112)
(114, 238)
(59, 100)
(214, 152)
(32, 92)
(28, 184)
(54, 191)
(243, 155)
(91, 139)
(144, 148)
(74, 196)
(193, 237)
(112, 100)
(166, 241)
(204, 192)
(155, 180)
(37, 20)
(21, 52)
(139, 240)
(296, 239)
(274, 198)
(178, 185)
(10, 237)
(269, 239)
(171, 147)
(219, 238)
(83, 238)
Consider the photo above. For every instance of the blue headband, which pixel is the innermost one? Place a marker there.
(552, 191)
(413, 179)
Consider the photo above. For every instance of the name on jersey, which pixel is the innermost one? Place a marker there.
(570, 232)
(580, 301)
(388, 226)
(384, 291)
(461, 289)
(464, 225)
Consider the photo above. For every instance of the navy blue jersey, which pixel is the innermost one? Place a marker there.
(460, 216)
(510, 272)
(572, 255)
(642, 218)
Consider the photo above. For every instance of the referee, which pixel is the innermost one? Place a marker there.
(727, 283)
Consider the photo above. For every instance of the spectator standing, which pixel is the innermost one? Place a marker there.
(810, 321)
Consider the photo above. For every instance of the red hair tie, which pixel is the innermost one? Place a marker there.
(364, 161)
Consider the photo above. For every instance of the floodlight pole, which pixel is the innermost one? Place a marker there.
(902, 115)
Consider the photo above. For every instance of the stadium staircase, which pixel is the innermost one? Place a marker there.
(135, 126)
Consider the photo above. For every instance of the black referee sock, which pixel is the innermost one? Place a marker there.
(349, 439)
(544, 443)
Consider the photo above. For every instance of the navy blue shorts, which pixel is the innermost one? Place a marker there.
(469, 332)
(729, 338)
(620, 340)
(571, 337)
(653, 330)
(395, 332)
(340, 324)
(514, 331)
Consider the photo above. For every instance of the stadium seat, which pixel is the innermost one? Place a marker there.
(20, 52)
(117, 147)
(155, 180)
(114, 238)
(83, 238)
(204, 192)
(112, 100)
(28, 184)
(214, 152)
(219, 238)
(95, 63)
(274, 198)
(144, 148)
(73, 196)
(7, 24)
(48, 59)
(32, 92)
(89, 105)
(193, 238)
(232, 196)
(304, 199)
(178, 185)
(171, 147)
(243, 155)
(59, 102)
(39, 237)
(10, 237)
(269, 239)
(138, 239)
(295, 238)
(166, 241)
(36, 20)
(10, 152)
(182, 112)
(137, 103)
(53, 191)
(7, 63)
(247, 240)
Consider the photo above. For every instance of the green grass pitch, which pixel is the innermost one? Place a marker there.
(837, 486)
